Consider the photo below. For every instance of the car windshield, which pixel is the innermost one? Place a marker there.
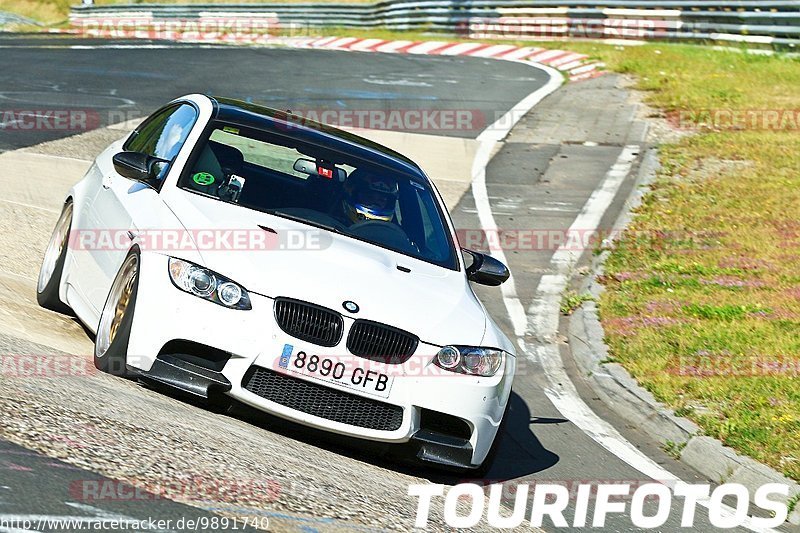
(275, 174)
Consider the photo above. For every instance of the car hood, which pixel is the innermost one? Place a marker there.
(302, 262)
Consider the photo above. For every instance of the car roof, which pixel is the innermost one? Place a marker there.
(261, 117)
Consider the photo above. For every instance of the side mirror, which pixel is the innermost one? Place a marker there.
(140, 167)
(485, 269)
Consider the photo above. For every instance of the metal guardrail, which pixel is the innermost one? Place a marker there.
(766, 22)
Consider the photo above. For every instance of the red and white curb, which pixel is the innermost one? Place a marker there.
(573, 65)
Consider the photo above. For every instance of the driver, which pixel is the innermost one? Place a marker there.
(369, 197)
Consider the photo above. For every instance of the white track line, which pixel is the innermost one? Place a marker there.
(487, 140)
(542, 317)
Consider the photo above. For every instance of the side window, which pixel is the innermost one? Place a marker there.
(163, 134)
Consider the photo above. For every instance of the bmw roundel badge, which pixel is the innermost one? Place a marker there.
(351, 306)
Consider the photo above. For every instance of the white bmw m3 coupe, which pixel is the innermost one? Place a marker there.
(235, 252)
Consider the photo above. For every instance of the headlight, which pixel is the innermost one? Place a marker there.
(208, 285)
(470, 360)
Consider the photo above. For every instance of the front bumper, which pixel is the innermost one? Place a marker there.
(255, 344)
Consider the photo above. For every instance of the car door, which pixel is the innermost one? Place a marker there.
(122, 207)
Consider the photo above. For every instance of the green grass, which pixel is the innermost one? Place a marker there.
(571, 300)
(674, 449)
(44, 11)
(703, 291)
(792, 503)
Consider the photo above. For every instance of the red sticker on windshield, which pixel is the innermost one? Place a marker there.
(325, 172)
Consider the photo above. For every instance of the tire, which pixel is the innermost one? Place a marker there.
(49, 282)
(114, 329)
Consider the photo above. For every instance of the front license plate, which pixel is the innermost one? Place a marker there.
(343, 372)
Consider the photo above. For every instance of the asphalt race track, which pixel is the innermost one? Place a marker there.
(120, 82)
(541, 177)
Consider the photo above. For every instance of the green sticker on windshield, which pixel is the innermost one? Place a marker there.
(203, 178)
(228, 129)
